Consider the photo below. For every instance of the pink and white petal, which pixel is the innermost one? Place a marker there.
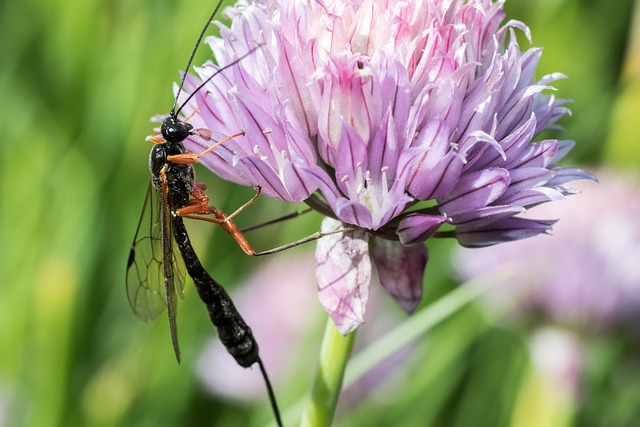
(291, 86)
(344, 274)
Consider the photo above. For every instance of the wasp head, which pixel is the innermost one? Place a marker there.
(175, 130)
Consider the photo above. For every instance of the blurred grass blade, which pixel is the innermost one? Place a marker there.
(420, 323)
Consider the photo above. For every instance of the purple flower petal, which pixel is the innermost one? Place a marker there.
(501, 231)
(400, 270)
(527, 178)
(532, 196)
(538, 154)
(351, 162)
(565, 175)
(383, 150)
(417, 228)
(298, 184)
(482, 217)
(431, 156)
(512, 146)
(262, 174)
(344, 275)
(434, 177)
(475, 190)
(353, 213)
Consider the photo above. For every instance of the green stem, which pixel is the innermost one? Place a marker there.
(327, 385)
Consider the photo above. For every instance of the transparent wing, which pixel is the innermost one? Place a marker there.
(148, 295)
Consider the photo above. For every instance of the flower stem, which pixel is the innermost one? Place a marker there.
(327, 385)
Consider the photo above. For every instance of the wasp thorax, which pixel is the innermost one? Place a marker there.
(174, 130)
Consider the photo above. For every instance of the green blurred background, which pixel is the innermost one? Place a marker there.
(79, 81)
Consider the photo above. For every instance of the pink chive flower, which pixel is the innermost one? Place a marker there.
(364, 110)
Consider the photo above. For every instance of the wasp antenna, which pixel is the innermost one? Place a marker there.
(203, 84)
(193, 53)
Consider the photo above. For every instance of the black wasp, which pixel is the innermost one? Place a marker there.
(161, 248)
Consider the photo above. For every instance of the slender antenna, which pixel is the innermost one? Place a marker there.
(231, 64)
(193, 53)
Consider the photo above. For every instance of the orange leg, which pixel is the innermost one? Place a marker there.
(155, 139)
(199, 206)
(190, 158)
